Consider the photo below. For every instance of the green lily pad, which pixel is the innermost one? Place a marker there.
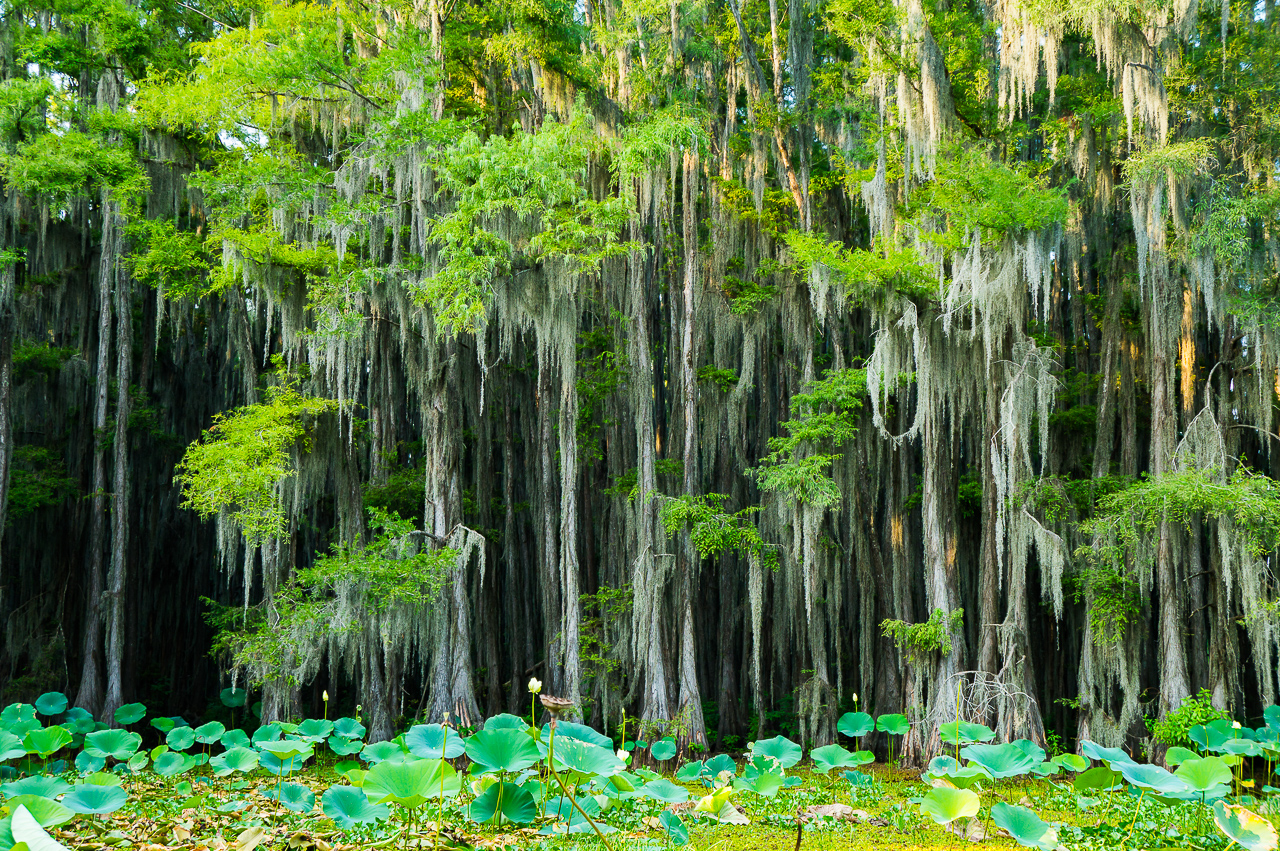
(40, 785)
(348, 806)
(295, 797)
(504, 802)
(117, 744)
(130, 713)
(235, 739)
(434, 741)
(1247, 829)
(677, 833)
(1024, 826)
(965, 733)
(235, 760)
(787, 752)
(855, 724)
(587, 759)
(90, 799)
(46, 811)
(664, 790)
(233, 698)
(663, 750)
(944, 805)
(1000, 761)
(314, 730)
(348, 728)
(897, 725)
(172, 763)
(51, 703)
(506, 750)
(47, 741)
(411, 782)
(11, 746)
(180, 738)
(829, 757)
(207, 734)
(26, 830)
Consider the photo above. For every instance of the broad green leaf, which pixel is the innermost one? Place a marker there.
(235, 739)
(381, 751)
(314, 730)
(505, 750)
(1000, 761)
(180, 738)
(897, 725)
(345, 747)
(90, 799)
(236, 759)
(663, 750)
(207, 734)
(965, 733)
(348, 806)
(27, 829)
(348, 728)
(267, 733)
(676, 831)
(586, 759)
(688, 772)
(295, 797)
(117, 744)
(719, 763)
(506, 721)
(287, 749)
(1247, 829)
(1098, 777)
(1203, 775)
(832, 756)
(787, 752)
(1153, 778)
(130, 713)
(504, 802)
(40, 785)
(1071, 762)
(1024, 826)
(581, 732)
(664, 790)
(233, 698)
(51, 703)
(410, 782)
(79, 721)
(87, 763)
(434, 741)
(944, 805)
(47, 741)
(172, 763)
(1112, 756)
(766, 783)
(855, 724)
(1175, 756)
(11, 746)
(46, 812)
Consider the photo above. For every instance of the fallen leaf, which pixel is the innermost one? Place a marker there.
(251, 839)
(842, 812)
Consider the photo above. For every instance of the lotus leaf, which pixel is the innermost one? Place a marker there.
(586, 759)
(40, 785)
(348, 728)
(967, 776)
(435, 741)
(172, 763)
(51, 703)
(1007, 760)
(504, 750)
(1207, 776)
(90, 799)
(207, 734)
(714, 802)
(663, 750)
(897, 725)
(46, 811)
(857, 778)
(581, 732)
(785, 751)
(267, 733)
(688, 772)
(277, 767)
(664, 790)
(137, 762)
(181, 738)
(944, 805)
(965, 733)
(10, 746)
(675, 828)
(130, 713)
(116, 744)
(233, 698)
(1112, 756)
(1242, 747)
(295, 797)
(1176, 756)
(1024, 826)
(349, 806)
(1272, 716)
(1153, 778)
(504, 802)
(1247, 829)
(233, 760)
(26, 829)
(314, 730)
(345, 747)
(720, 763)
(87, 763)
(165, 723)
(103, 778)
(832, 756)
(1210, 737)
(766, 783)
(506, 721)
(79, 721)
(235, 739)
(294, 749)
(381, 751)
(1030, 748)
(855, 724)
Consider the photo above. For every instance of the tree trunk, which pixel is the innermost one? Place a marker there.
(120, 499)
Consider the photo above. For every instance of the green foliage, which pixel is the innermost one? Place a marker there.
(603, 613)
(973, 192)
(1174, 728)
(865, 274)
(932, 636)
(32, 359)
(1113, 596)
(170, 260)
(72, 165)
(826, 418)
(243, 458)
(725, 379)
(38, 479)
(713, 530)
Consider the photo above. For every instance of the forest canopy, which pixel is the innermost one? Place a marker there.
(711, 361)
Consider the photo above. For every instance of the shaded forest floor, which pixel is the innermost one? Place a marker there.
(820, 813)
